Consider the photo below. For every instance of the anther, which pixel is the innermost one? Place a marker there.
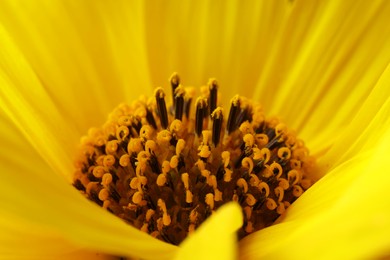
(217, 118)
(243, 184)
(293, 177)
(104, 194)
(227, 177)
(210, 200)
(263, 187)
(108, 160)
(98, 171)
(111, 146)
(281, 209)
(180, 146)
(250, 200)
(161, 107)
(190, 94)
(122, 132)
(179, 102)
(134, 146)
(271, 204)
(193, 219)
(279, 192)
(225, 158)
(166, 219)
(284, 153)
(106, 179)
(150, 118)
(185, 180)
(175, 82)
(261, 140)
(254, 180)
(124, 161)
(234, 109)
(148, 216)
(248, 164)
(201, 110)
(284, 183)
(297, 191)
(213, 87)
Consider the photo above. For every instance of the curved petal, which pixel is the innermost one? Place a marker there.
(345, 215)
(25, 101)
(366, 129)
(46, 201)
(216, 238)
(88, 56)
(328, 59)
(228, 40)
(22, 240)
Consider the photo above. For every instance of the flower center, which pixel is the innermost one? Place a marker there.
(165, 170)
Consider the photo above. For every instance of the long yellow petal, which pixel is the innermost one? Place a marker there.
(22, 240)
(345, 215)
(43, 124)
(328, 59)
(43, 199)
(216, 238)
(228, 40)
(366, 129)
(88, 57)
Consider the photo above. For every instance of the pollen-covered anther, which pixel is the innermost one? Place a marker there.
(165, 169)
(247, 163)
(210, 200)
(166, 219)
(148, 216)
(185, 180)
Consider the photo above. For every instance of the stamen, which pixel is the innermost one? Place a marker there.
(217, 118)
(175, 82)
(201, 110)
(150, 118)
(234, 109)
(179, 102)
(213, 87)
(161, 107)
(165, 173)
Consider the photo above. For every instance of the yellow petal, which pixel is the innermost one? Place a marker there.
(88, 57)
(228, 40)
(345, 215)
(22, 240)
(329, 56)
(216, 238)
(366, 129)
(43, 199)
(30, 107)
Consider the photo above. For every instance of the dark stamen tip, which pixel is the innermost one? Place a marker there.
(213, 87)
(150, 118)
(234, 109)
(161, 107)
(201, 109)
(217, 117)
(179, 102)
(175, 82)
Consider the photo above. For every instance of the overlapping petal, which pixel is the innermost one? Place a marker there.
(41, 199)
(345, 215)
(216, 238)
(88, 57)
(321, 66)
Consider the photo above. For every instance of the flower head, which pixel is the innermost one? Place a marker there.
(323, 67)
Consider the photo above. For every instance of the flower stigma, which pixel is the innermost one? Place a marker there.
(164, 169)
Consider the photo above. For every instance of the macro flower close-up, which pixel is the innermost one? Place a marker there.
(194, 130)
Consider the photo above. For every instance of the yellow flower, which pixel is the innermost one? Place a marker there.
(322, 66)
